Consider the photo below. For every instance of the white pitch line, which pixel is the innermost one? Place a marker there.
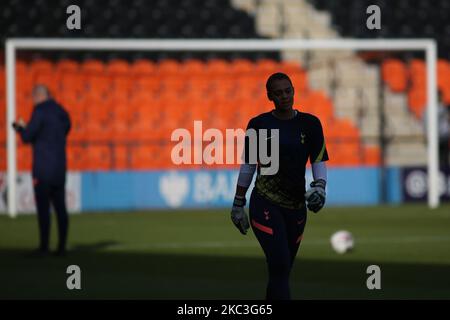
(246, 244)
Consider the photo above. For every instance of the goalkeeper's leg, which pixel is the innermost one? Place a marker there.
(295, 221)
(267, 223)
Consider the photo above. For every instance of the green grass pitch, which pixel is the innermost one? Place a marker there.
(200, 255)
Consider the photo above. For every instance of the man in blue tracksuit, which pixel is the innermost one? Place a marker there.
(47, 132)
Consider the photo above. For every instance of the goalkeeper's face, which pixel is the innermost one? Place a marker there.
(282, 94)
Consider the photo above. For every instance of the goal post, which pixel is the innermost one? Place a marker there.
(427, 45)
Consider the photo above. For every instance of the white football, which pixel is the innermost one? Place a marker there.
(342, 241)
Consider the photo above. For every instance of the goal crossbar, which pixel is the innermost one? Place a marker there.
(427, 45)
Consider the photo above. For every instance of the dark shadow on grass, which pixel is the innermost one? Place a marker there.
(94, 246)
(126, 275)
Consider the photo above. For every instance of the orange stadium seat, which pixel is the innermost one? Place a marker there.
(443, 70)
(173, 82)
(198, 84)
(95, 107)
(42, 65)
(143, 106)
(95, 76)
(117, 66)
(170, 76)
(24, 79)
(417, 72)
(193, 67)
(299, 81)
(144, 76)
(302, 102)
(120, 131)
(417, 101)
(350, 153)
(267, 66)
(98, 83)
(2, 158)
(70, 100)
(76, 157)
(142, 157)
(2, 108)
(71, 81)
(145, 126)
(121, 117)
(321, 106)
(142, 66)
(372, 155)
(199, 108)
(24, 107)
(242, 67)
(166, 156)
(221, 79)
(24, 157)
(217, 67)
(97, 131)
(98, 157)
(117, 95)
(289, 67)
(394, 73)
(78, 131)
(93, 66)
(168, 66)
(2, 80)
(69, 76)
(343, 154)
(48, 79)
(343, 131)
(119, 72)
(162, 157)
(247, 84)
(98, 118)
(222, 116)
(121, 157)
(444, 80)
(21, 67)
(67, 65)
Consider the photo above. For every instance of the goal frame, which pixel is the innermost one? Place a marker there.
(427, 45)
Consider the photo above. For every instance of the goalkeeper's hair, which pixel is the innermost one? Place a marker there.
(276, 76)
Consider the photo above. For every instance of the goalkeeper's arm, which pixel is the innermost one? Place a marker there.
(315, 196)
(238, 215)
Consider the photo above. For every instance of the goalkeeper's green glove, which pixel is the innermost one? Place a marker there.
(315, 196)
(238, 215)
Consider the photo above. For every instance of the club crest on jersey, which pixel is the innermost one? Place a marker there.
(303, 136)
